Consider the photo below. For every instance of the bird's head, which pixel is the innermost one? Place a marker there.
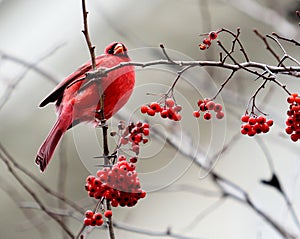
(116, 48)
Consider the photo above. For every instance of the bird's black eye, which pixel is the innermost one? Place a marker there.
(111, 50)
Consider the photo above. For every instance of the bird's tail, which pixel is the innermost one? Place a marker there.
(47, 149)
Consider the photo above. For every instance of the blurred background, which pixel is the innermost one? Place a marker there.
(41, 43)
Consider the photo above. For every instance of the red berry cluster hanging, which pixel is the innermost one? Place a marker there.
(207, 106)
(167, 109)
(95, 219)
(134, 134)
(119, 184)
(207, 41)
(255, 125)
(293, 120)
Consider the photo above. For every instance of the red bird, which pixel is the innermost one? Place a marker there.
(78, 100)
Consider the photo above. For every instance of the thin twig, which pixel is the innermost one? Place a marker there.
(87, 36)
(223, 85)
(236, 39)
(286, 39)
(268, 47)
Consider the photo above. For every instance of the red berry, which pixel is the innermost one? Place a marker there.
(294, 137)
(251, 132)
(150, 112)
(206, 41)
(177, 108)
(99, 222)
(220, 115)
(265, 128)
(203, 107)
(155, 106)
(87, 221)
(133, 159)
(270, 122)
(252, 121)
(136, 149)
(121, 158)
(170, 102)
(210, 105)
(196, 114)
(89, 214)
(289, 121)
(261, 119)
(90, 179)
(142, 194)
(218, 107)
(245, 118)
(247, 127)
(289, 130)
(176, 117)
(164, 114)
(144, 109)
(207, 116)
(97, 216)
(145, 125)
(213, 35)
(258, 128)
(146, 131)
(108, 213)
(202, 46)
(123, 140)
(145, 141)
(199, 102)
(290, 99)
(97, 182)
(297, 100)
(290, 112)
(114, 203)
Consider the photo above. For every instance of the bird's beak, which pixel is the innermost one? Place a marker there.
(119, 49)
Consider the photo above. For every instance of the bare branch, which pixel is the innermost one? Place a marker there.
(87, 36)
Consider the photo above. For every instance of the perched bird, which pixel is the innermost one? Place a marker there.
(78, 99)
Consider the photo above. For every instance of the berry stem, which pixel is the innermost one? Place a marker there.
(179, 73)
(223, 85)
(109, 222)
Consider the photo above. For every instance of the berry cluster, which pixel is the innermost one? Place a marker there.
(255, 125)
(134, 134)
(95, 219)
(119, 184)
(207, 41)
(167, 109)
(206, 106)
(293, 120)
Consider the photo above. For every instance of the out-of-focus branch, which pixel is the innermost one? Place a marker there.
(265, 15)
(151, 232)
(62, 177)
(29, 66)
(33, 195)
(32, 218)
(39, 182)
(32, 65)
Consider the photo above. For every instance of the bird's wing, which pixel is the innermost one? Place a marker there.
(57, 93)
